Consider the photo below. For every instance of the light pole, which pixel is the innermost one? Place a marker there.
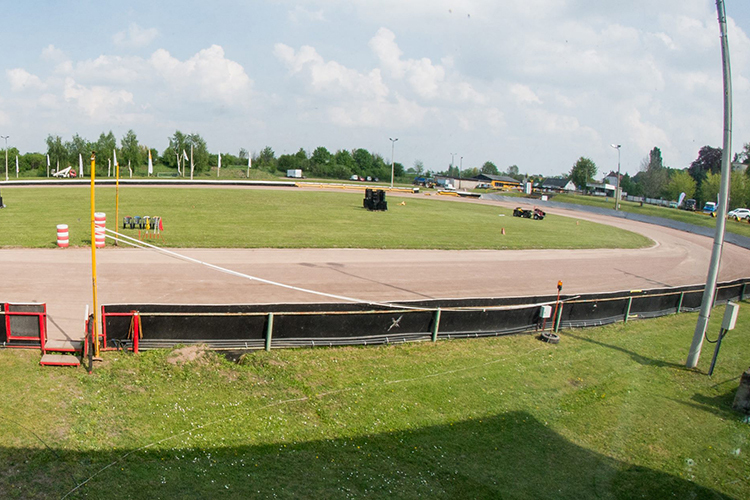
(393, 161)
(6, 154)
(617, 190)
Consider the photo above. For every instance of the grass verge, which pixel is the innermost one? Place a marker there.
(738, 227)
(609, 413)
(257, 218)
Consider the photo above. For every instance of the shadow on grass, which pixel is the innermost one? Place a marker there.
(638, 358)
(511, 455)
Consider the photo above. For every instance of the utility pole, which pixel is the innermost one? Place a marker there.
(393, 160)
(721, 216)
(617, 189)
(6, 155)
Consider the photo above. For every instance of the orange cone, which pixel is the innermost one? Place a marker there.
(502, 231)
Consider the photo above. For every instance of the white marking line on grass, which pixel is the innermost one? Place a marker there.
(293, 400)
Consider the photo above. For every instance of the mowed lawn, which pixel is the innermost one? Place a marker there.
(608, 413)
(294, 218)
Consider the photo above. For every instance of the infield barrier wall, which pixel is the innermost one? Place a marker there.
(265, 326)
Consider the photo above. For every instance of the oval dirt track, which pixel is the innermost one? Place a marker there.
(62, 278)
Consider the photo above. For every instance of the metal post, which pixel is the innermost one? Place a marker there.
(627, 311)
(436, 325)
(269, 331)
(117, 197)
(679, 304)
(559, 317)
(721, 216)
(722, 332)
(6, 155)
(95, 329)
(742, 292)
(393, 159)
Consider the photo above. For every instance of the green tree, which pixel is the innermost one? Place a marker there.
(489, 168)
(132, 153)
(709, 188)
(418, 167)
(200, 154)
(513, 171)
(266, 160)
(739, 190)
(583, 172)
(173, 156)
(655, 177)
(104, 148)
(681, 182)
(628, 185)
(243, 154)
(58, 155)
(321, 156)
(79, 146)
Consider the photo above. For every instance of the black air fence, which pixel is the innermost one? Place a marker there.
(266, 326)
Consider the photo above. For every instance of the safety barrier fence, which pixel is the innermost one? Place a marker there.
(266, 326)
(23, 325)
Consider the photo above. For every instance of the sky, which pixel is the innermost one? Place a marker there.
(532, 83)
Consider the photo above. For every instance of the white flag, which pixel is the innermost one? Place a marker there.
(150, 164)
(114, 152)
(16, 165)
(184, 154)
(80, 165)
(218, 169)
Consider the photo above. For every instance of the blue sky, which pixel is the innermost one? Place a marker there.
(535, 83)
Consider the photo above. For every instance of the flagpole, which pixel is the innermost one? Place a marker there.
(117, 193)
(95, 328)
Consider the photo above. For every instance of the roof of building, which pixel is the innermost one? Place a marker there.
(499, 178)
(555, 182)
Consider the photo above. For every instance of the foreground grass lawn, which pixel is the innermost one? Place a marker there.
(294, 218)
(608, 413)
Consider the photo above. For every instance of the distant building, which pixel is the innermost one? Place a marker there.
(497, 181)
(601, 188)
(611, 178)
(557, 185)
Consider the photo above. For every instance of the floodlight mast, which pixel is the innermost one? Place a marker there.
(721, 215)
(617, 189)
(393, 161)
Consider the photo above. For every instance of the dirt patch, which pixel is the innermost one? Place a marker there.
(187, 354)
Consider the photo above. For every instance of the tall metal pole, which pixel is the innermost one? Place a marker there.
(117, 196)
(453, 156)
(393, 159)
(721, 216)
(617, 189)
(95, 329)
(6, 155)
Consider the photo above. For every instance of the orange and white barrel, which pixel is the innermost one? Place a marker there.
(62, 235)
(100, 221)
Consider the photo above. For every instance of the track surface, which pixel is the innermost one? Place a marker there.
(62, 278)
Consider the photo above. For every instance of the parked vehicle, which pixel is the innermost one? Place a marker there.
(739, 214)
(536, 213)
(710, 208)
(690, 205)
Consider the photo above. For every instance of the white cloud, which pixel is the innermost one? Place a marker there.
(20, 80)
(97, 102)
(300, 15)
(53, 54)
(208, 76)
(428, 80)
(135, 37)
(330, 76)
(524, 94)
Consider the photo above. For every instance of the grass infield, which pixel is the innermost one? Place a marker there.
(607, 413)
(294, 218)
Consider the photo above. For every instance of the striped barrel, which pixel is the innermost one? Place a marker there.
(100, 221)
(62, 235)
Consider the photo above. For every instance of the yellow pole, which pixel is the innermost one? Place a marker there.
(95, 329)
(117, 196)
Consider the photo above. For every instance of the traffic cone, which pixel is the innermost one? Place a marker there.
(502, 231)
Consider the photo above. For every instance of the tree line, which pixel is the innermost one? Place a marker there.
(701, 180)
